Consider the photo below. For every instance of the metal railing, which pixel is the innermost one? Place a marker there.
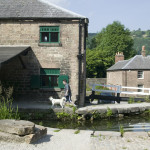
(117, 89)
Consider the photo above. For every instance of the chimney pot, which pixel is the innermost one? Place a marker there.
(143, 52)
(119, 57)
(143, 47)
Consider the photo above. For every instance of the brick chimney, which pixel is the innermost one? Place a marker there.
(119, 57)
(143, 52)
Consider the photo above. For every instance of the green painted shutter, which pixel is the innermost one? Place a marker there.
(49, 29)
(46, 71)
(35, 81)
(60, 80)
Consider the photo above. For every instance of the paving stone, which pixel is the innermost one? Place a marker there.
(114, 110)
(82, 111)
(135, 109)
(147, 108)
(135, 134)
(107, 133)
(98, 110)
(121, 110)
(18, 127)
(102, 111)
(142, 109)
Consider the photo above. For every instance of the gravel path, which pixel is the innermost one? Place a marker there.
(68, 140)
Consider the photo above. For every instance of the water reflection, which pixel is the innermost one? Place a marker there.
(133, 124)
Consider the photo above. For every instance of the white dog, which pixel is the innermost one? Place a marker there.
(61, 101)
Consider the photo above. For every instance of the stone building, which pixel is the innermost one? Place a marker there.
(40, 45)
(134, 72)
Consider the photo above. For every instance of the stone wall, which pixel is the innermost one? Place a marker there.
(128, 78)
(132, 79)
(63, 56)
(114, 77)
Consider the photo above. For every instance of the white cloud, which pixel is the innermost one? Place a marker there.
(62, 3)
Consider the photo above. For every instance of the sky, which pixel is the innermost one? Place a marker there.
(134, 14)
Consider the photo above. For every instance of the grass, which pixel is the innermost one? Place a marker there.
(77, 132)
(122, 130)
(131, 100)
(56, 130)
(93, 136)
(128, 140)
(124, 147)
(139, 101)
(41, 123)
(147, 112)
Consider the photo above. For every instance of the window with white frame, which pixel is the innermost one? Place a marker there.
(140, 86)
(140, 75)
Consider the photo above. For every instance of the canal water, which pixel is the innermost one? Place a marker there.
(133, 124)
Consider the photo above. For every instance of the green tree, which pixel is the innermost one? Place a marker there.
(112, 39)
(94, 63)
(148, 33)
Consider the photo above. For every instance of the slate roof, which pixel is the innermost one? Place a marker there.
(138, 62)
(33, 9)
(9, 52)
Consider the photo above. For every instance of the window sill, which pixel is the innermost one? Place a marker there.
(50, 89)
(50, 44)
(140, 78)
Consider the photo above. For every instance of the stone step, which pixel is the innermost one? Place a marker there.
(18, 127)
(39, 132)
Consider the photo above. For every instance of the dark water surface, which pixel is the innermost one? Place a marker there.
(132, 124)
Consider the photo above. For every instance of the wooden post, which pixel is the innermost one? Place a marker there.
(93, 94)
(118, 98)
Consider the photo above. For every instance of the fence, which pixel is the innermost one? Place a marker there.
(117, 89)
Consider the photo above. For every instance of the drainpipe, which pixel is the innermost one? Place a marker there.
(1, 74)
(85, 37)
(82, 23)
(79, 58)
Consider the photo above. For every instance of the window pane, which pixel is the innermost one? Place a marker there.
(140, 86)
(54, 81)
(44, 37)
(140, 74)
(54, 37)
(45, 81)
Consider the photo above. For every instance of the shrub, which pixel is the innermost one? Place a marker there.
(131, 100)
(88, 88)
(6, 109)
(147, 99)
(63, 116)
(109, 112)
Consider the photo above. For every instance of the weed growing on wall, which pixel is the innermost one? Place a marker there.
(109, 112)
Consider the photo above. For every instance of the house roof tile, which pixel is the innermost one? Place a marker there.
(33, 9)
(138, 62)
